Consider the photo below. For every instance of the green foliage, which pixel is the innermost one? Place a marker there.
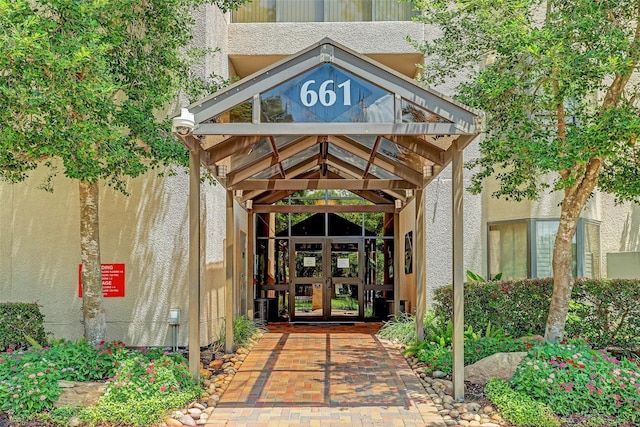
(400, 329)
(517, 407)
(606, 313)
(437, 357)
(84, 82)
(28, 379)
(541, 70)
(603, 312)
(520, 307)
(145, 386)
(148, 380)
(19, 323)
(243, 329)
(574, 379)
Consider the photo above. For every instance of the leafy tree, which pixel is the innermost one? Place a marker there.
(556, 79)
(80, 85)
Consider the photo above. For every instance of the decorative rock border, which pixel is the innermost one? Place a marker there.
(217, 377)
(472, 412)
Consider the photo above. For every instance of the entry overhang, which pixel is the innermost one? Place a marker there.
(328, 118)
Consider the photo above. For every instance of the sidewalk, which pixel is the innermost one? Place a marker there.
(332, 377)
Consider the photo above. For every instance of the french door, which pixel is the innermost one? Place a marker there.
(326, 280)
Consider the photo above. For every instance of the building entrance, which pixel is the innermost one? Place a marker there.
(327, 280)
(325, 267)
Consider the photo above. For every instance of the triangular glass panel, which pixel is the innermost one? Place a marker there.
(327, 94)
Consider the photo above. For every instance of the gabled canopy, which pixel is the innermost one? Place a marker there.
(328, 118)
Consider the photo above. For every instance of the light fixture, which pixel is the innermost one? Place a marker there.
(249, 204)
(398, 204)
(427, 170)
(221, 171)
(409, 193)
(174, 316)
(185, 123)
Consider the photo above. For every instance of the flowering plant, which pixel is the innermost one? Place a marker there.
(572, 378)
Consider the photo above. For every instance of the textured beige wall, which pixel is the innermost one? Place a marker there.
(147, 231)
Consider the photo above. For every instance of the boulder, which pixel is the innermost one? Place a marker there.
(499, 365)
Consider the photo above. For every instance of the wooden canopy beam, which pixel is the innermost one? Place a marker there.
(262, 208)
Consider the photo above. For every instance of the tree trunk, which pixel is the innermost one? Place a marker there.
(563, 279)
(575, 199)
(92, 299)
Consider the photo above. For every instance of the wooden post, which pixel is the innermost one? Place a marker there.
(194, 263)
(397, 253)
(251, 238)
(457, 187)
(229, 264)
(419, 263)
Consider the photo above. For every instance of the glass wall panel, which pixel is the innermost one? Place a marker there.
(272, 263)
(592, 266)
(508, 250)
(545, 238)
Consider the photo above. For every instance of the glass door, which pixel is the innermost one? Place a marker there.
(344, 296)
(308, 281)
(327, 280)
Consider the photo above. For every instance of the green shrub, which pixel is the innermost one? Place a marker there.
(402, 329)
(18, 321)
(519, 307)
(243, 329)
(440, 358)
(572, 378)
(142, 384)
(606, 313)
(146, 384)
(517, 407)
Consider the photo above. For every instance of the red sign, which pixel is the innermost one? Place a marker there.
(112, 280)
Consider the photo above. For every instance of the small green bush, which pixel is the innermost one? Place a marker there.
(243, 329)
(18, 321)
(517, 407)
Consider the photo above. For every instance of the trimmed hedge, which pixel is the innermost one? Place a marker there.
(17, 321)
(605, 312)
(519, 307)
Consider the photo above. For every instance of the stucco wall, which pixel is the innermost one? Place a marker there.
(146, 231)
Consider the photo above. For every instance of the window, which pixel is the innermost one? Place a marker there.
(323, 11)
(524, 248)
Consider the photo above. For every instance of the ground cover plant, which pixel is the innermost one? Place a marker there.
(141, 385)
(573, 378)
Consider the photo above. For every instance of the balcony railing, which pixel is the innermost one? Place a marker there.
(324, 11)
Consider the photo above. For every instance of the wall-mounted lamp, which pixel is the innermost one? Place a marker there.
(221, 171)
(249, 204)
(409, 193)
(185, 123)
(427, 170)
(174, 316)
(398, 204)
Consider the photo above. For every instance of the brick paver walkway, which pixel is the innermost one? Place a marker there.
(324, 377)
